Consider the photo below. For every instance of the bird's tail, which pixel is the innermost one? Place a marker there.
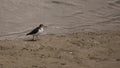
(27, 34)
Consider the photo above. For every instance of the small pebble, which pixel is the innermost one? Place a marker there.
(117, 59)
(63, 63)
(70, 52)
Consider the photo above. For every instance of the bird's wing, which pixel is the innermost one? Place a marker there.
(33, 31)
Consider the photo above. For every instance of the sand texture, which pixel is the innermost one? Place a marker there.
(78, 50)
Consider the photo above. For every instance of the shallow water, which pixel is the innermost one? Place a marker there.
(60, 16)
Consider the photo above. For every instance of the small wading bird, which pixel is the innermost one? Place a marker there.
(35, 32)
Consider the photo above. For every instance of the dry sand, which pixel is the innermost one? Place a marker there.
(77, 50)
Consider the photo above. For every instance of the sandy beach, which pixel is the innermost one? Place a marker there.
(77, 50)
(79, 34)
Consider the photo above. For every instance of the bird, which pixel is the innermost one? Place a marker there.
(35, 32)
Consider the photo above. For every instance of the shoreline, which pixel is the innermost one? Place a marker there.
(20, 36)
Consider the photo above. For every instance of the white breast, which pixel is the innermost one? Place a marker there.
(41, 30)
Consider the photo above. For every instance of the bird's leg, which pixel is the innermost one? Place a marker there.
(37, 36)
(33, 37)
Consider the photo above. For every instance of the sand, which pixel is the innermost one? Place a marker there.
(79, 34)
(76, 50)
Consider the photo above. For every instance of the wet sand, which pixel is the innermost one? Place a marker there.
(76, 50)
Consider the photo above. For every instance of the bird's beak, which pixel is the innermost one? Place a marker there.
(44, 26)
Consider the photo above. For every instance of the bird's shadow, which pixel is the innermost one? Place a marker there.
(30, 40)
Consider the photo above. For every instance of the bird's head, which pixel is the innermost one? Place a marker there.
(41, 25)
